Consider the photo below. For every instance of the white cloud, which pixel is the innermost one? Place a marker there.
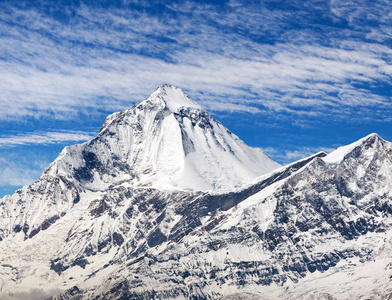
(289, 156)
(106, 59)
(17, 176)
(24, 165)
(44, 138)
(18, 170)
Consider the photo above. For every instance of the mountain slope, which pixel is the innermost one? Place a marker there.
(155, 151)
(164, 141)
(313, 230)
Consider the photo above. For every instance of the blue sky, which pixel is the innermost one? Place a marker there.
(292, 77)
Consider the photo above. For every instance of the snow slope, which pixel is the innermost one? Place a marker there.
(166, 141)
(310, 230)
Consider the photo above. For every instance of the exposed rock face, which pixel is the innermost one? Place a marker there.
(315, 216)
(133, 214)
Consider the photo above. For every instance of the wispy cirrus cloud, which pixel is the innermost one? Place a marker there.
(371, 18)
(288, 156)
(44, 138)
(18, 170)
(108, 57)
(291, 64)
(23, 157)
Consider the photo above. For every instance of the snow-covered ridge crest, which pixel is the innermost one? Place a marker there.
(340, 153)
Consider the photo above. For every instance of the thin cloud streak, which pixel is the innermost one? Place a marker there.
(278, 83)
(289, 156)
(20, 170)
(110, 58)
(44, 138)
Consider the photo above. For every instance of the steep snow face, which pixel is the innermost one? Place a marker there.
(164, 141)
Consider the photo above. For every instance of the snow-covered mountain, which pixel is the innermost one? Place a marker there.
(164, 141)
(167, 204)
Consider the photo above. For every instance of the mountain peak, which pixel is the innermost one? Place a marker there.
(165, 141)
(170, 97)
(165, 96)
(373, 137)
(340, 153)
